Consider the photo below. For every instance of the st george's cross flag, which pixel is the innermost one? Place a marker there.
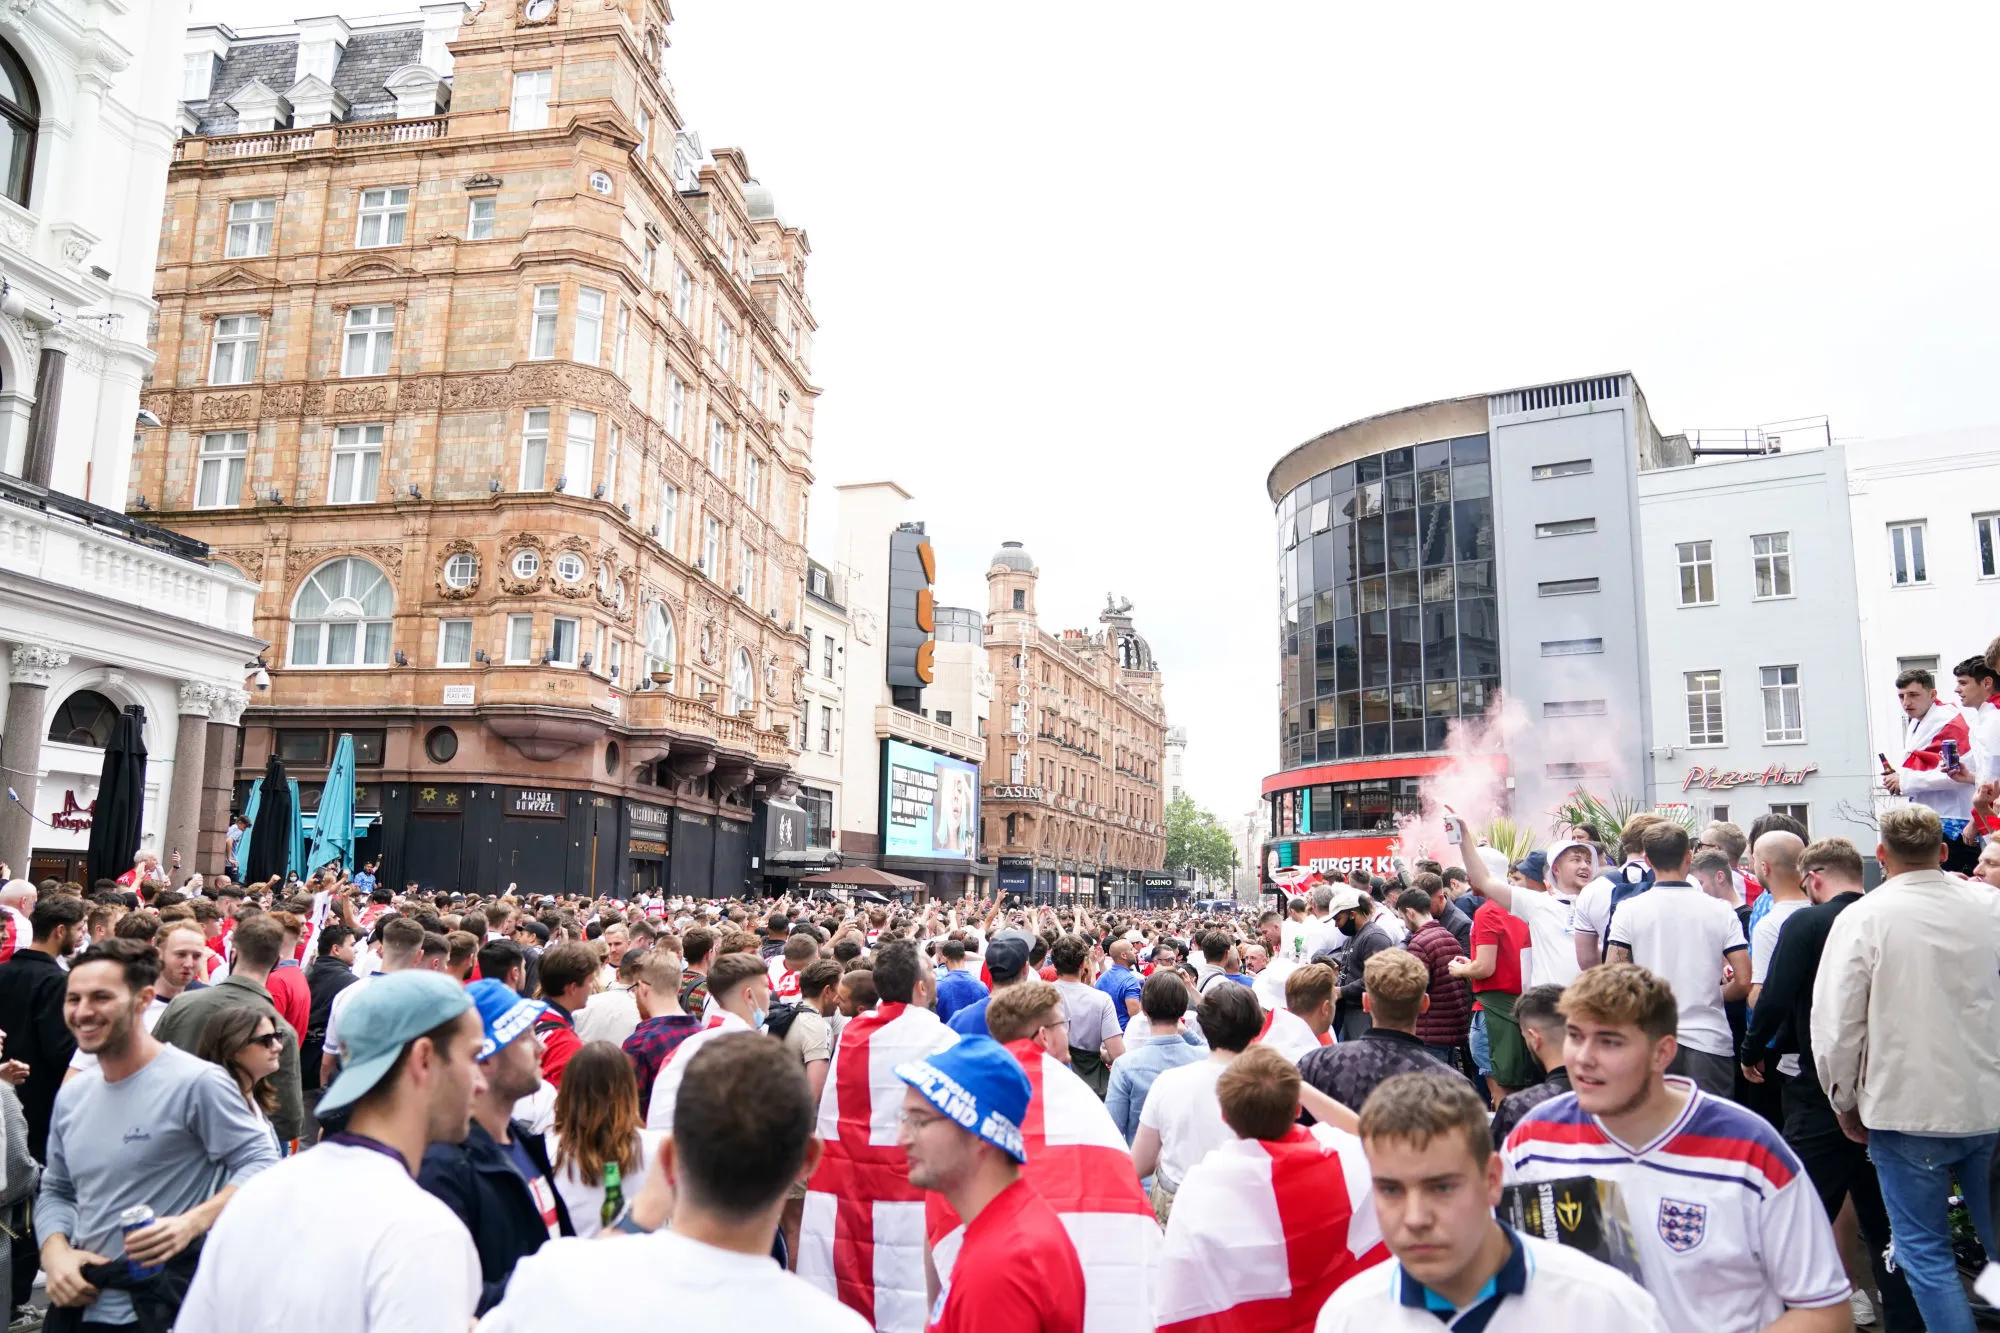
(1291, 1036)
(1262, 1233)
(862, 1238)
(1078, 1161)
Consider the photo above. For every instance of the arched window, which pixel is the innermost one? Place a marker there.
(742, 682)
(20, 117)
(85, 718)
(341, 616)
(660, 655)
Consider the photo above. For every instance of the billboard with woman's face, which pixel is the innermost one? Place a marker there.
(930, 804)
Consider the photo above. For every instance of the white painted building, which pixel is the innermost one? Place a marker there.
(97, 612)
(821, 712)
(1926, 519)
(1754, 647)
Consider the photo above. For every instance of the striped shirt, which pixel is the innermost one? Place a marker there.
(1728, 1229)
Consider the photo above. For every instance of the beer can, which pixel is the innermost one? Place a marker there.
(139, 1215)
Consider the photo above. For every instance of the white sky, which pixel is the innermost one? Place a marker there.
(1083, 272)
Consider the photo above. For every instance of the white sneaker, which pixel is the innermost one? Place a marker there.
(1862, 1308)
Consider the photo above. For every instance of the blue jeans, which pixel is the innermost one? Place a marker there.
(1916, 1172)
(1482, 1052)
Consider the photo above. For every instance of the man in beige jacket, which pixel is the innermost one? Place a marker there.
(1906, 1027)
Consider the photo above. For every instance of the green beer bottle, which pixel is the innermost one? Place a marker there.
(614, 1196)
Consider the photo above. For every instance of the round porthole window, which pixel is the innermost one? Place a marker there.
(526, 564)
(441, 744)
(600, 181)
(461, 571)
(611, 758)
(569, 567)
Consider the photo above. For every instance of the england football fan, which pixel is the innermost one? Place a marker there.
(1730, 1235)
(860, 1241)
(1353, 918)
(1908, 1054)
(150, 1125)
(1181, 1120)
(1305, 1023)
(1590, 915)
(1164, 998)
(743, 1130)
(1077, 1162)
(1542, 1027)
(1290, 1207)
(1922, 776)
(1016, 1268)
(739, 984)
(1445, 1021)
(1545, 907)
(1687, 939)
(1436, 1180)
(1395, 986)
(498, 1179)
(387, 1257)
(568, 973)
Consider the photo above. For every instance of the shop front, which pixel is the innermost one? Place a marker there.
(648, 841)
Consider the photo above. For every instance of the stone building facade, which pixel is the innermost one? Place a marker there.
(500, 388)
(1074, 804)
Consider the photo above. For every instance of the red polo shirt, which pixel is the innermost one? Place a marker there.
(1016, 1271)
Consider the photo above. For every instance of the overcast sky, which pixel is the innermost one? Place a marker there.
(1083, 272)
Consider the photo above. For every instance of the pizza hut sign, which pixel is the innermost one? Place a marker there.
(1723, 779)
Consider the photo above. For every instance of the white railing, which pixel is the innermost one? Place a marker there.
(257, 145)
(367, 134)
(57, 550)
(374, 133)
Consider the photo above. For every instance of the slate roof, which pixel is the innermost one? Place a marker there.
(371, 56)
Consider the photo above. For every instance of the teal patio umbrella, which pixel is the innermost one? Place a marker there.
(333, 822)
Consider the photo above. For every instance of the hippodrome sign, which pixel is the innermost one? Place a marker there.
(1719, 779)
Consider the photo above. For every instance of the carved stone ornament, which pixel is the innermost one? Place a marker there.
(583, 587)
(471, 392)
(197, 699)
(36, 663)
(228, 705)
(361, 398)
(505, 577)
(160, 404)
(284, 401)
(454, 547)
(302, 560)
(225, 407)
(314, 400)
(711, 643)
(249, 559)
(485, 180)
(418, 395)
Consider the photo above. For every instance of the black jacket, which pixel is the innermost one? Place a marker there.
(1782, 1023)
(31, 1014)
(326, 978)
(476, 1179)
(1348, 1013)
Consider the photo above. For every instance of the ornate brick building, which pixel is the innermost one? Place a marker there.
(501, 390)
(1074, 807)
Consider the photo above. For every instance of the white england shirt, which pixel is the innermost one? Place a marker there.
(1729, 1230)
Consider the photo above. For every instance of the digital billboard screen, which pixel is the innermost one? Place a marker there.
(930, 804)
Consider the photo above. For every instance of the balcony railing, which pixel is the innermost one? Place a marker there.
(366, 134)
(15, 491)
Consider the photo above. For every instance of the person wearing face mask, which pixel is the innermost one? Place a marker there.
(1353, 917)
(740, 986)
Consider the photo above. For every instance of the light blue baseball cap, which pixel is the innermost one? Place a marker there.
(386, 1014)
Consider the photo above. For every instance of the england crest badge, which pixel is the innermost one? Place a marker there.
(1682, 1225)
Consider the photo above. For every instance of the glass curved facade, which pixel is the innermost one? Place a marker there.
(1390, 623)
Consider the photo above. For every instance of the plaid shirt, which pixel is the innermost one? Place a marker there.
(652, 1044)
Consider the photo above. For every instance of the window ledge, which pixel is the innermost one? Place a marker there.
(1695, 606)
(1801, 741)
(1778, 597)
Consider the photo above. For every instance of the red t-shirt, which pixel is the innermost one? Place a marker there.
(1016, 1271)
(289, 992)
(559, 1043)
(1493, 925)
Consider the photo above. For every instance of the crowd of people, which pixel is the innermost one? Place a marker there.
(1691, 1081)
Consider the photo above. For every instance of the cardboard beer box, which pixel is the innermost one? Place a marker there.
(1580, 1212)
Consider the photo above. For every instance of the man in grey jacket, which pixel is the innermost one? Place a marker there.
(256, 944)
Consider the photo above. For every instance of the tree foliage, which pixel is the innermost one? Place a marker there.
(1196, 841)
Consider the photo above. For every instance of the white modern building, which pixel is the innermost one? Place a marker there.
(1926, 520)
(1754, 645)
(97, 612)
